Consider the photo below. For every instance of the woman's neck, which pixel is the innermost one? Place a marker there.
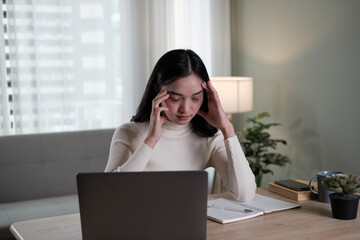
(175, 129)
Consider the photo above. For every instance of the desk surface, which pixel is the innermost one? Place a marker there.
(312, 221)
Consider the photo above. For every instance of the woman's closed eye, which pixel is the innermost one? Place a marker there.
(175, 99)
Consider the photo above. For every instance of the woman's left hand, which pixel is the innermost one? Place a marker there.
(216, 115)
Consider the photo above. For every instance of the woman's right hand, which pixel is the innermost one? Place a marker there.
(156, 119)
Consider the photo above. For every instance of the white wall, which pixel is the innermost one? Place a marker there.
(304, 56)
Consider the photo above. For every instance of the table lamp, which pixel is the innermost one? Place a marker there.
(236, 93)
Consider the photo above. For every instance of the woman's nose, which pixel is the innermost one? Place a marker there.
(184, 107)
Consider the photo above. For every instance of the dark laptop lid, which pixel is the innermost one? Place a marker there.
(143, 205)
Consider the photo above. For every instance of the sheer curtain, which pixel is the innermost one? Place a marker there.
(83, 64)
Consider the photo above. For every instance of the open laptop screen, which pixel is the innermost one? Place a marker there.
(143, 205)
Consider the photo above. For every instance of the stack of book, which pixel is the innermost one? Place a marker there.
(295, 195)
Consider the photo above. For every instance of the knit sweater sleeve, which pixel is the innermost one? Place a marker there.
(229, 160)
(127, 150)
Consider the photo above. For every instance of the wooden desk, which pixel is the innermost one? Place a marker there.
(312, 221)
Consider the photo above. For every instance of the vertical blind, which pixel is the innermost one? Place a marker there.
(56, 65)
(83, 64)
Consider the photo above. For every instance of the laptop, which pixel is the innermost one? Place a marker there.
(143, 205)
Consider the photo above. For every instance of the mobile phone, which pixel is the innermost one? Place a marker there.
(292, 184)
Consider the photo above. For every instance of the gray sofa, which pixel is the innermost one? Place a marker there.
(38, 172)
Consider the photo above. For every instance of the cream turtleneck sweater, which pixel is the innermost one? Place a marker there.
(181, 149)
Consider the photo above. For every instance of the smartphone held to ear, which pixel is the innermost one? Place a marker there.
(293, 185)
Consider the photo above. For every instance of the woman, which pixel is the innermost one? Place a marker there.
(176, 128)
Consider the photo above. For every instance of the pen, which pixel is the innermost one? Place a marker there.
(210, 205)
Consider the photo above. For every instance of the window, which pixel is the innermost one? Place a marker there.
(83, 64)
(59, 66)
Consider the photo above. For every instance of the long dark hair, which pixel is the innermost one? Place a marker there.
(171, 66)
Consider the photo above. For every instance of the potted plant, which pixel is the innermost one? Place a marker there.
(344, 203)
(257, 142)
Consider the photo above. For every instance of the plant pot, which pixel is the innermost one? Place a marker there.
(344, 206)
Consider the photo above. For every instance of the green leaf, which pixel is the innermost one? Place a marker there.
(256, 143)
(348, 188)
(334, 184)
(343, 182)
(338, 190)
(356, 190)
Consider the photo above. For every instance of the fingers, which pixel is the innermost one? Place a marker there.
(210, 90)
(157, 108)
(157, 112)
(162, 95)
(204, 86)
(216, 113)
(156, 118)
(209, 86)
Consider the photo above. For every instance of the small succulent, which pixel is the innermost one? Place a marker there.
(342, 183)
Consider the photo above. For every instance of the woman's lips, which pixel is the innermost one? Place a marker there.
(183, 118)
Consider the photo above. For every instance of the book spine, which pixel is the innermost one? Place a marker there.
(283, 192)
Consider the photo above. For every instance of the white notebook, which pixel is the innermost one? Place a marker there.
(225, 210)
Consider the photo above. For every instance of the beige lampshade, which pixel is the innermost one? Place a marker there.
(236, 93)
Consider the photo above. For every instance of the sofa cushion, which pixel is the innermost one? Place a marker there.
(37, 166)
